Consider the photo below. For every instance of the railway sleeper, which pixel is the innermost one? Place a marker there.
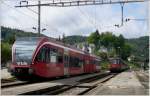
(58, 91)
(83, 88)
(92, 79)
(43, 91)
(62, 88)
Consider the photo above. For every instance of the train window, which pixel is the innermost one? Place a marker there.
(77, 62)
(115, 61)
(42, 55)
(87, 61)
(47, 55)
(60, 57)
(93, 62)
(53, 55)
(97, 63)
(53, 59)
(71, 63)
(66, 58)
(74, 62)
(81, 62)
(38, 57)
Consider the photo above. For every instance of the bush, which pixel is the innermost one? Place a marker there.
(104, 65)
(103, 55)
(5, 52)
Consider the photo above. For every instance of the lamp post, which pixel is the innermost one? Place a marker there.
(142, 64)
(118, 51)
(36, 29)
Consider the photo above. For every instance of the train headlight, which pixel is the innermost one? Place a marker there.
(30, 71)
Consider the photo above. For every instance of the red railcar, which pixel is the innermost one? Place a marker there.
(117, 65)
(43, 57)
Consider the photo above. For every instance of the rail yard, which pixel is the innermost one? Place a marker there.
(75, 47)
(104, 83)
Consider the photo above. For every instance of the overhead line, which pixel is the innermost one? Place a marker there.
(17, 10)
(82, 3)
(86, 15)
(90, 19)
(32, 10)
(27, 15)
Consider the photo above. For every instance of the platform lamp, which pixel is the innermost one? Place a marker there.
(36, 28)
(118, 51)
(142, 64)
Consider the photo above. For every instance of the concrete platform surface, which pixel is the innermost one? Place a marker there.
(125, 83)
(28, 88)
(5, 74)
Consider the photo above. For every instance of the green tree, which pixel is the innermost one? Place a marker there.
(94, 39)
(5, 52)
(107, 39)
(103, 55)
(110, 41)
(121, 40)
(125, 51)
(11, 39)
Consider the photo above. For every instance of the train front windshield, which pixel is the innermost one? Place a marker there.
(24, 49)
(115, 61)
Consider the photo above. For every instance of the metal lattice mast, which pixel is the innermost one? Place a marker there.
(69, 3)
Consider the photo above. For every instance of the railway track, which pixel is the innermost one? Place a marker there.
(21, 83)
(80, 84)
(81, 87)
(15, 83)
(7, 84)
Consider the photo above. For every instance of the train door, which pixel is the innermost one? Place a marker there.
(82, 65)
(66, 62)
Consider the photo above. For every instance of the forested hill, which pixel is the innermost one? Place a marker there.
(139, 44)
(74, 39)
(8, 34)
(140, 47)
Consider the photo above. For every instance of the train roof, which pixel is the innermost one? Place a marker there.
(114, 58)
(57, 43)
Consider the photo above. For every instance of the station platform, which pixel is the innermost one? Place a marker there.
(125, 83)
(5, 74)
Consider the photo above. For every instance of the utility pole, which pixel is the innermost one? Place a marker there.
(39, 13)
(122, 6)
(39, 18)
(69, 3)
(122, 17)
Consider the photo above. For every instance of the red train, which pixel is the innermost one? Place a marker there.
(45, 57)
(117, 65)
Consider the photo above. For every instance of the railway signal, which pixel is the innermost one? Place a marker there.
(129, 19)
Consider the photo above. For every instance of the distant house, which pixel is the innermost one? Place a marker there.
(103, 49)
(91, 48)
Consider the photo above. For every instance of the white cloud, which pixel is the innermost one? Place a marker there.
(74, 20)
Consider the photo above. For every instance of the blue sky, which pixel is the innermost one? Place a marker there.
(77, 20)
